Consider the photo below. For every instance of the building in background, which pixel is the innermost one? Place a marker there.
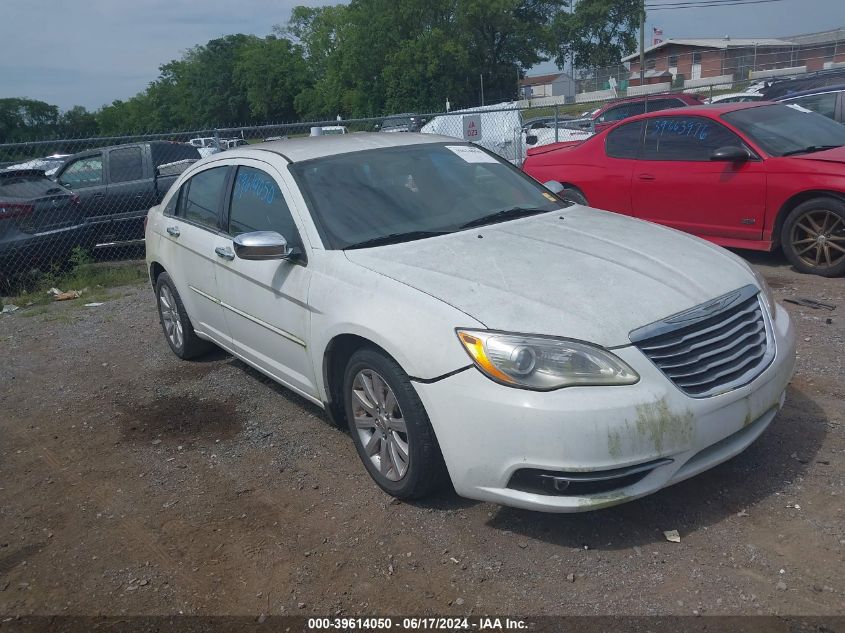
(554, 85)
(699, 62)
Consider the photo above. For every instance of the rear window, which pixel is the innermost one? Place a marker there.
(164, 153)
(125, 164)
(624, 141)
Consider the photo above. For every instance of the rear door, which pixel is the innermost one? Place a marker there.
(129, 185)
(265, 302)
(675, 183)
(192, 223)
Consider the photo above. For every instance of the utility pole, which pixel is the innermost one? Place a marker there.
(642, 45)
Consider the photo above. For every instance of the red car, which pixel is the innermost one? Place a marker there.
(743, 175)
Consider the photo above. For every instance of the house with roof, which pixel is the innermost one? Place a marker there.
(707, 61)
(554, 85)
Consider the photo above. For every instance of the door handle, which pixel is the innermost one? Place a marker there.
(173, 230)
(646, 177)
(225, 253)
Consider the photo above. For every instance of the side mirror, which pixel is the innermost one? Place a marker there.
(531, 139)
(730, 153)
(262, 245)
(554, 186)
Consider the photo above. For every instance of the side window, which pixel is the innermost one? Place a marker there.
(258, 205)
(823, 104)
(85, 172)
(199, 199)
(624, 141)
(125, 164)
(623, 112)
(685, 138)
(170, 207)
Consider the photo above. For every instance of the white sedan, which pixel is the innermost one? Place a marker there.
(467, 324)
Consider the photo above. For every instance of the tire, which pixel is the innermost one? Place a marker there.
(424, 470)
(813, 237)
(573, 195)
(177, 328)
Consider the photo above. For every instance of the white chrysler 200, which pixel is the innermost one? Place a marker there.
(466, 323)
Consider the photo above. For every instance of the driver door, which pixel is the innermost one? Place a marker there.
(265, 302)
(675, 183)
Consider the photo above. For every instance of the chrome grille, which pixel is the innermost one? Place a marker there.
(712, 348)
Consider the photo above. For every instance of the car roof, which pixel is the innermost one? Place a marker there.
(650, 97)
(300, 149)
(813, 91)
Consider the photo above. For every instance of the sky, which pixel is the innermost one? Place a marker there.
(91, 52)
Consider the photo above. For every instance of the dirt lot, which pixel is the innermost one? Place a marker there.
(135, 483)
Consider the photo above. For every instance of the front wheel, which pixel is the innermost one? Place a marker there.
(390, 427)
(813, 237)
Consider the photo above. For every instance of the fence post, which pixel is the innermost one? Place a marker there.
(557, 114)
(711, 93)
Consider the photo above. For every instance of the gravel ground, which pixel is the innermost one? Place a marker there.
(135, 483)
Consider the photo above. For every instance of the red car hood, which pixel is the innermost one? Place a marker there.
(836, 155)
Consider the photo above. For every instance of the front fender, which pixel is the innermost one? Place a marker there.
(416, 329)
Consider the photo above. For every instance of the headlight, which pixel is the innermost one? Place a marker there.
(768, 296)
(543, 363)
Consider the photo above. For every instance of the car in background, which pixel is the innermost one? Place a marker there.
(828, 101)
(406, 122)
(229, 143)
(117, 185)
(613, 111)
(466, 324)
(40, 221)
(783, 87)
(735, 97)
(744, 175)
(48, 164)
(335, 129)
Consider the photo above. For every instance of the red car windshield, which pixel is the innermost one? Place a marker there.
(786, 130)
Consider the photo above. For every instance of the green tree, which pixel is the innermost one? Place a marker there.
(270, 73)
(598, 33)
(23, 119)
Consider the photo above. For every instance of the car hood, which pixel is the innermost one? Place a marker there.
(593, 275)
(835, 155)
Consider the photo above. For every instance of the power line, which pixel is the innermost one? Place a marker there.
(705, 4)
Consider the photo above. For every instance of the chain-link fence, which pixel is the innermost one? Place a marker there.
(67, 200)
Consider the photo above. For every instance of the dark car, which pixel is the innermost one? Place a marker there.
(780, 88)
(39, 220)
(117, 185)
(406, 122)
(828, 101)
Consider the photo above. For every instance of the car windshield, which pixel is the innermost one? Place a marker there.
(785, 130)
(414, 191)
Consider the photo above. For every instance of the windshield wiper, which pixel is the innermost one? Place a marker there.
(504, 214)
(809, 149)
(395, 238)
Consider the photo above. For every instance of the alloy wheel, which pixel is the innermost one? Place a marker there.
(380, 425)
(170, 318)
(818, 237)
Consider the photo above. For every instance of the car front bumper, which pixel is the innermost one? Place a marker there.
(487, 432)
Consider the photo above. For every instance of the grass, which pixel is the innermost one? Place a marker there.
(93, 278)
